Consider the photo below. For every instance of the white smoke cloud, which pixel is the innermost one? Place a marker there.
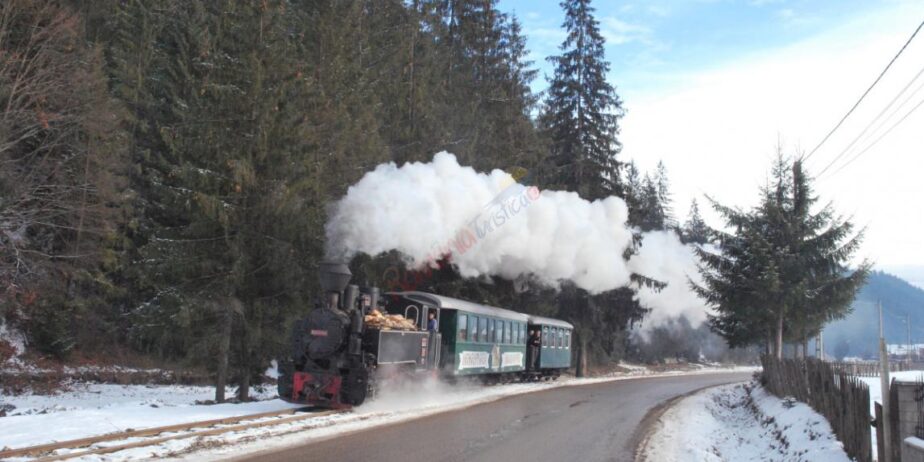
(491, 225)
(664, 258)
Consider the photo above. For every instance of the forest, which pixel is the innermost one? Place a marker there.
(167, 167)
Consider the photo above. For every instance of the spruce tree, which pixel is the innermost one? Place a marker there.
(782, 271)
(664, 196)
(695, 230)
(633, 193)
(580, 120)
(652, 216)
(740, 281)
(221, 148)
(582, 110)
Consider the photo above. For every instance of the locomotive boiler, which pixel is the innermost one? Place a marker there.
(337, 358)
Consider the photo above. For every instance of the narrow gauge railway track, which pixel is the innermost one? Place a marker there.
(44, 452)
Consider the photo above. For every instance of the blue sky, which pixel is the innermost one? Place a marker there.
(712, 87)
(649, 43)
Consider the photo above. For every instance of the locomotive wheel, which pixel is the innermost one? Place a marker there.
(284, 381)
(355, 387)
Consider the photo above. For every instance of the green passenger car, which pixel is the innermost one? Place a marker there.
(476, 339)
(555, 352)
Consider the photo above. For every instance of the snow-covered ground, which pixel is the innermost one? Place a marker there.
(96, 409)
(741, 423)
(91, 410)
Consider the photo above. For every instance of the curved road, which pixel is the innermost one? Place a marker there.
(599, 422)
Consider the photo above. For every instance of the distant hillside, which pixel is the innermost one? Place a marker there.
(911, 273)
(857, 335)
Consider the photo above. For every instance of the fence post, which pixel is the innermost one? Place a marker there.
(886, 398)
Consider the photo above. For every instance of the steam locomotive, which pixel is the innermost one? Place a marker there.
(337, 358)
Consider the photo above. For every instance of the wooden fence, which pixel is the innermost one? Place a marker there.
(842, 398)
(868, 368)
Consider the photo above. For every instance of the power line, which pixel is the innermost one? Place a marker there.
(881, 74)
(879, 116)
(916, 106)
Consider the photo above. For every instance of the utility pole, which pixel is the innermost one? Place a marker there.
(884, 384)
(820, 346)
(908, 323)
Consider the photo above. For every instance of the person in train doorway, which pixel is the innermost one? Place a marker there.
(432, 325)
(535, 341)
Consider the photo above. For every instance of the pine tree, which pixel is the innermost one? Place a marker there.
(651, 213)
(580, 120)
(783, 271)
(740, 281)
(221, 148)
(633, 193)
(408, 72)
(695, 230)
(823, 244)
(664, 196)
(487, 94)
(582, 110)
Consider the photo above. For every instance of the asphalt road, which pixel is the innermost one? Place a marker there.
(600, 422)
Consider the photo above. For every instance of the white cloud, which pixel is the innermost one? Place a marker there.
(717, 129)
(619, 32)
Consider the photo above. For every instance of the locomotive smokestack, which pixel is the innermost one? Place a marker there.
(334, 276)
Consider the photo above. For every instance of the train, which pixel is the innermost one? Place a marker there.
(337, 357)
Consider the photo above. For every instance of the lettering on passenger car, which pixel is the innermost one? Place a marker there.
(473, 359)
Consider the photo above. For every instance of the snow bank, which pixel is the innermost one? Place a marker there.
(741, 422)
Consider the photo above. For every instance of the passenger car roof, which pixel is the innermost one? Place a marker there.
(449, 303)
(543, 321)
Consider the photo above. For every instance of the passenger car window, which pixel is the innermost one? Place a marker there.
(567, 339)
(473, 329)
(463, 327)
(545, 336)
(508, 333)
(501, 331)
(561, 338)
(490, 331)
(483, 327)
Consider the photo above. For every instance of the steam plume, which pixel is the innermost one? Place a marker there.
(492, 225)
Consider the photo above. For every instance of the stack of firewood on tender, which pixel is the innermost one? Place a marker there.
(378, 320)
